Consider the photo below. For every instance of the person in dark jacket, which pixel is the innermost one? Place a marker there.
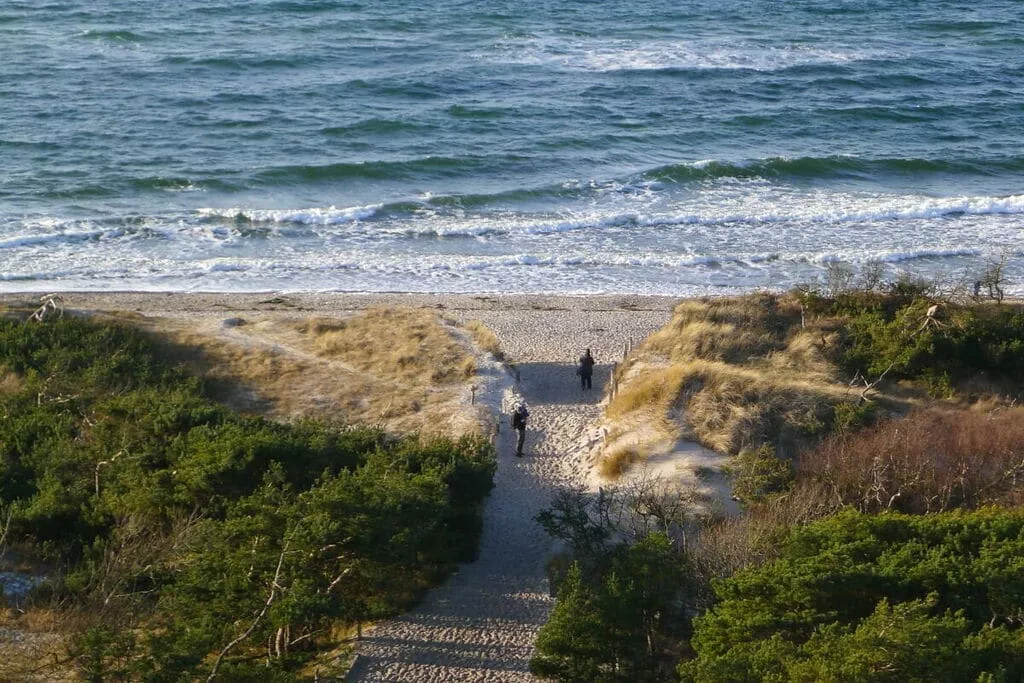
(586, 370)
(519, 416)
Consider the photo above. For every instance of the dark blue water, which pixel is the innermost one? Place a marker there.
(559, 146)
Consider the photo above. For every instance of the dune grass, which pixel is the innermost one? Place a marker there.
(405, 345)
(485, 339)
(612, 465)
(735, 373)
(402, 369)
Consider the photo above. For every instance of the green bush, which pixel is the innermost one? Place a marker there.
(965, 343)
(612, 626)
(758, 474)
(874, 598)
(179, 526)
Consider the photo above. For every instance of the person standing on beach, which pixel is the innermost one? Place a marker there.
(519, 416)
(586, 370)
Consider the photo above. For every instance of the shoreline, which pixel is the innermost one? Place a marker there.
(185, 303)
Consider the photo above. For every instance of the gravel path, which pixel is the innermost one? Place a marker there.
(481, 624)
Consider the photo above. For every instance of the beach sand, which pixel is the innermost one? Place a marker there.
(481, 624)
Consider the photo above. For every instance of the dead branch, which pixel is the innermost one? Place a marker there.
(274, 587)
(868, 386)
(51, 305)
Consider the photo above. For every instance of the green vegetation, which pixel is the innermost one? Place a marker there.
(622, 604)
(759, 474)
(189, 540)
(610, 624)
(874, 598)
(914, 334)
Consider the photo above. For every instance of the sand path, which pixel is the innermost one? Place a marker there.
(481, 624)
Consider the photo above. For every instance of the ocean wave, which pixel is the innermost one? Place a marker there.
(227, 267)
(828, 167)
(433, 166)
(312, 216)
(902, 209)
(117, 35)
(602, 55)
(375, 126)
(34, 240)
(239, 63)
(168, 184)
(705, 262)
(446, 217)
(291, 6)
(901, 256)
(464, 112)
(892, 257)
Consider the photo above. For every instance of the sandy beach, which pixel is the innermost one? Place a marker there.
(481, 624)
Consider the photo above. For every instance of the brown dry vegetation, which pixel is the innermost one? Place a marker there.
(735, 373)
(34, 646)
(614, 463)
(404, 345)
(932, 460)
(400, 368)
(485, 339)
(727, 545)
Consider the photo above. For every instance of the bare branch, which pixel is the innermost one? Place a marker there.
(252, 627)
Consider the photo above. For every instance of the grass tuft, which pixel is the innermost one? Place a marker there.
(615, 463)
(485, 339)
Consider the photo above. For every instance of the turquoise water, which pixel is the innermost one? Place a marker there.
(550, 146)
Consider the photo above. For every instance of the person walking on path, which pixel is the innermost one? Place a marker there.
(519, 416)
(586, 370)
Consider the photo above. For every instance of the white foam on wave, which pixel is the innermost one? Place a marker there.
(732, 232)
(936, 208)
(311, 216)
(711, 211)
(610, 55)
(33, 240)
(884, 256)
(228, 267)
(592, 261)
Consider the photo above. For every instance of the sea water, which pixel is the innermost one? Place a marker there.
(659, 147)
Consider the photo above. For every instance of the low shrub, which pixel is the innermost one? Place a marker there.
(955, 345)
(932, 460)
(758, 474)
(622, 604)
(886, 597)
(613, 464)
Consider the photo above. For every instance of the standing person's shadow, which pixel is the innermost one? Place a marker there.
(558, 383)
